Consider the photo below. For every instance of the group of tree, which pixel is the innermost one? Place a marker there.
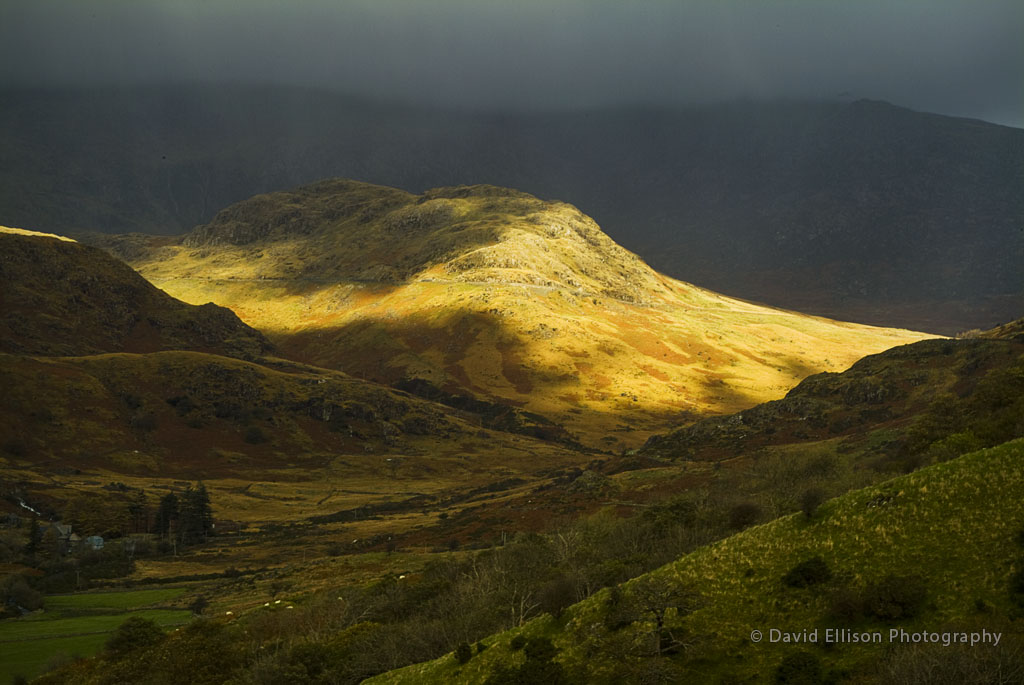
(187, 519)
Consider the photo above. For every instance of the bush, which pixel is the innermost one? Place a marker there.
(743, 515)
(809, 572)
(254, 435)
(135, 633)
(895, 598)
(517, 643)
(556, 595)
(810, 501)
(1017, 587)
(144, 422)
(847, 606)
(463, 653)
(17, 592)
(801, 668)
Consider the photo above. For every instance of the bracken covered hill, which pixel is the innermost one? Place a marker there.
(494, 293)
(58, 297)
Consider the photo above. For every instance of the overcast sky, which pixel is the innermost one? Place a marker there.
(961, 57)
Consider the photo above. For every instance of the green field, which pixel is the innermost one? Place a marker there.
(113, 600)
(28, 645)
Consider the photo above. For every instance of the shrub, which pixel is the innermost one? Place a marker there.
(517, 643)
(895, 598)
(144, 422)
(1017, 587)
(135, 633)
(540, 649)
(801, 668)
(556, 595)
(954, 445)
(15, 590)
(744, 515)
(809, 572)
(254, 435)
(847, 606)
(810, 501)
(463, 652)
(199, 605)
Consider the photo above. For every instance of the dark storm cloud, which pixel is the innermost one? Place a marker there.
(958, 57)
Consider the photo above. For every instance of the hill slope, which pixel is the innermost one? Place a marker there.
(861, 211)
(892, 405)
(495, 293)
(897, 557)
(59, 297)
(112, 386)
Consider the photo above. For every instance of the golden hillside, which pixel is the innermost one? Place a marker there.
(495, 293)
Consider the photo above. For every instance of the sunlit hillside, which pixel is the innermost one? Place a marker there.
(877, 560)
(496, 293)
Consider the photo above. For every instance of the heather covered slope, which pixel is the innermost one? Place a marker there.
(494, 293)
(59, 297)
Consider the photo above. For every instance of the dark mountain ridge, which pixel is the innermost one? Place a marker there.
(862, 211)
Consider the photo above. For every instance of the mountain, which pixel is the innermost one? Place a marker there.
(59, 297)
(496, 294)
(861, 211)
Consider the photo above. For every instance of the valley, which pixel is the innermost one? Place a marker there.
(536, 343)
(403, 406)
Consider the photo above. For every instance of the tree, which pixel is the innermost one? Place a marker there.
(138, 512)
(134, 633)
(650, 598)
(196, 517)
(35, 538)
(199, 605)
(167, 514)
(810, 501)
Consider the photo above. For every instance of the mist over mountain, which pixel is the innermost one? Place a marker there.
(863, 210)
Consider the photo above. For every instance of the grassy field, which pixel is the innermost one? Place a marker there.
(113, 600)
(77, 625)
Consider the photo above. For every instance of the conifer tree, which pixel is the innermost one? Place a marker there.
(167, 513)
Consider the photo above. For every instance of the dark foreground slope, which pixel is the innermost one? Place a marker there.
(935, 552)
(860, 211)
